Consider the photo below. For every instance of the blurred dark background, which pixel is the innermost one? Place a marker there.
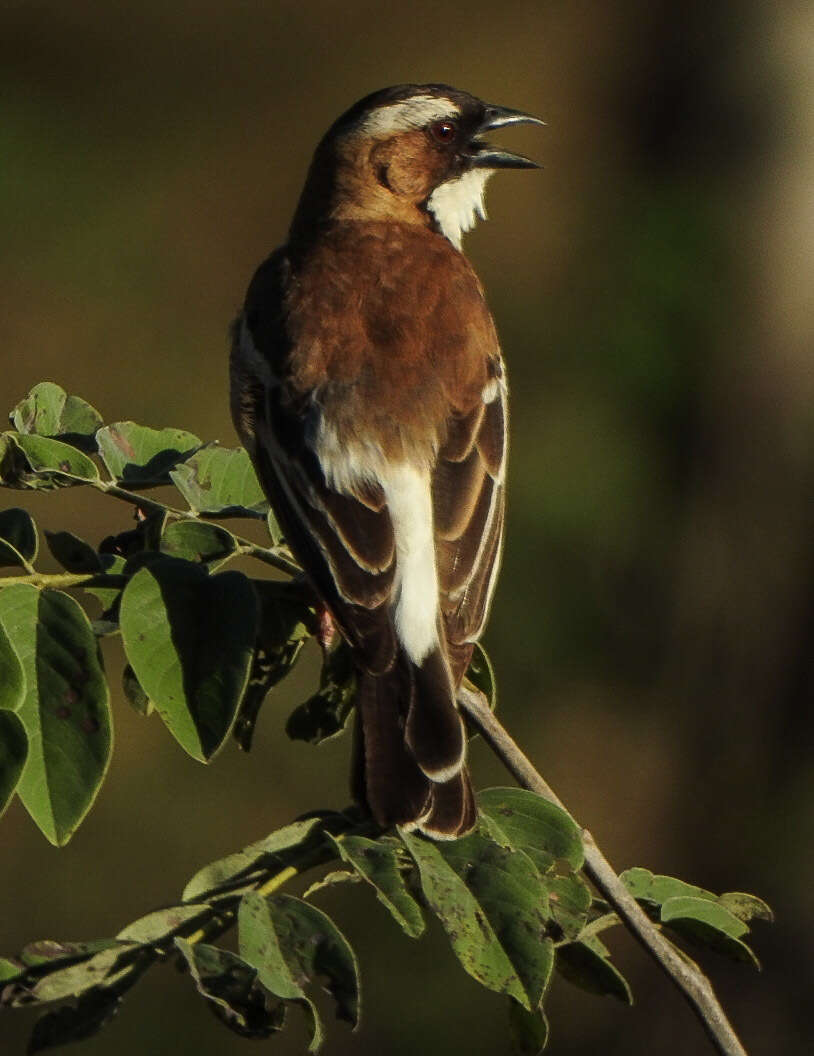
(652, 631)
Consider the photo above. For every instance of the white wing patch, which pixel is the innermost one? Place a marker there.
(409, 503)
(345, 465)
(408, 498)
(457, 205)
(407, 115)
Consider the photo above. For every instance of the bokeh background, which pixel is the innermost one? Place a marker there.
(653, 288)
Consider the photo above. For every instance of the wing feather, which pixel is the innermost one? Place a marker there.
(491, 437)
(345, 541)
(456, 487)
(469, 501)
(462, 432)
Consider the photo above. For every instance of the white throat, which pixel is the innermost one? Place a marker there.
(457, 205)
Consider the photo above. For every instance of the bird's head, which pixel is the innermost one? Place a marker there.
(413, 153)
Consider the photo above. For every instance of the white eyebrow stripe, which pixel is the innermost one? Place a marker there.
(409, 114)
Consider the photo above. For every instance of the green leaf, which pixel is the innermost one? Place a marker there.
(317, 950)
(66, 709)
(489, 900)
(13, 754)
(686, 907)
(18, 538)
(509, 890)
(73, 553)
(79, 418)
(13, 741)
(326, 713)
(133, 452)
(219, 479)
(47, 958)
(93, 1010)
(718, 915)
(114, 565)
(745, 907)
(14, 469)
(124, 554)
(134, 694)
(76, 979)
(335, 876)
(274, 530)
(12, 679)
(39, 462)
(586, 965)
(48, 411)
(261, 946)
(570, 901)
(285, 616)
(285, 624)
(710, 925)
(526, 821)
(189, 638)
(292, 838)
(10, 969)
(161, 924)
(598, 924)
(648, 887)
(377, 862)
(528, 1030)
(51, 952)
(41, 410)
(482, 675)
(230, 984)
(197, 541)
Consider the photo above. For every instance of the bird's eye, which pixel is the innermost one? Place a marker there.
(444, 131)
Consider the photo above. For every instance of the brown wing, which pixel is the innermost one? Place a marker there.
(468, 505)
(344, 541)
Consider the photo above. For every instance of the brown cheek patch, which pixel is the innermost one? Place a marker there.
(407, 165)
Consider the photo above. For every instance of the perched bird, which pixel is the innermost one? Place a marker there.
(368, 387)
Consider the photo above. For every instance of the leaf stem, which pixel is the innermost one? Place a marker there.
(108, 487)
(274, 882)
(322, 854)
(273, 556)
(683, 971)
(63, 580)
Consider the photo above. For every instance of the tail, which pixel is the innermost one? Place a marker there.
(411, 749)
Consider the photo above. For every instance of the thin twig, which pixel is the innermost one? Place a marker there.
(66, 580)
(683, 972)
(268, 555)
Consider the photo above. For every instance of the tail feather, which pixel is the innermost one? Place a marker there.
(393, 786)
(434, 731)
(453, 810)
(410, 750)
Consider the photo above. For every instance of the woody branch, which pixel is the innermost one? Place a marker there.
(681, 970)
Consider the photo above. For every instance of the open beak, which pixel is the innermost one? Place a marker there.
(485, 156)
